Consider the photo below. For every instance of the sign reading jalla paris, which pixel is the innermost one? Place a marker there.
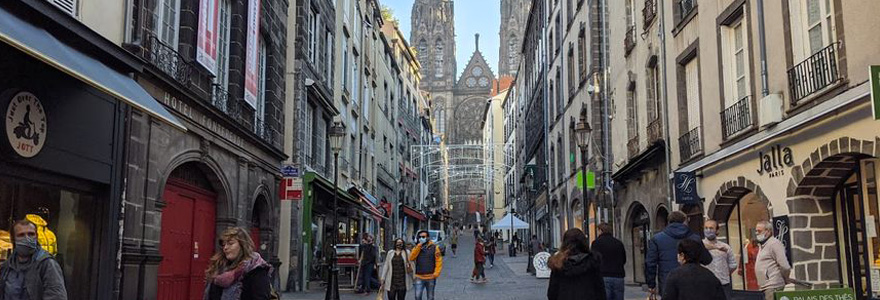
(26, 124)
(775, 161)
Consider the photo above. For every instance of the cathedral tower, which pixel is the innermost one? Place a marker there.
(433, 35)
(513, 22)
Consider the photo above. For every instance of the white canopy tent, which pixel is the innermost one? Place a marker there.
(507, 223)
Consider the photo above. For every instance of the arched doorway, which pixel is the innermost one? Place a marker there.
(639, 229)
(577, 214)
(555, 234)
(737, 207)
(261, 225)
(188, 232)
(662, 218)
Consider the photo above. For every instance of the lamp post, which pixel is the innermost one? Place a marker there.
(583, 131)
(337, 133)
(530, 188)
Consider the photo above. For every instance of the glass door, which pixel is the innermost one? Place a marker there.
(868, 175)
(852, 237)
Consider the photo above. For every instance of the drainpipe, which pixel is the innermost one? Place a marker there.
(762, 41)
(606, 118)
(665, 103)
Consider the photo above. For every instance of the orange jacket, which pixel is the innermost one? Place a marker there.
(438, 261)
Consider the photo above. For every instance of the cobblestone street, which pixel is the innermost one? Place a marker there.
(507, 280)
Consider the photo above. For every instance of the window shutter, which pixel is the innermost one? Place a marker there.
(68, 6)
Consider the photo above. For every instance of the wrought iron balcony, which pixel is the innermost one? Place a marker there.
(736, 118)
(630, 41)
(166, 59)
(632, 146)
(689, 144)
(223, 101)
(649, 12)
(814, 73)
(655, 131)
(265, 132)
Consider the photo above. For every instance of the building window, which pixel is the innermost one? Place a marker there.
(260, 113)
(572, 147)
(308, 134)
(321, 142)
(683, 8)
(222, 78)
(312, 34)
(328, 56)
(582, 54)
(165, 18)
(736, 67)
(512, 53)
(569, 10)
(345, 67)
(632, 116)
(438, 58)
(572, 80)
(355, 78)
(423, 53)
(814, 38)
(560, 101)
(630, 14)
(652, 91)
(692, 92)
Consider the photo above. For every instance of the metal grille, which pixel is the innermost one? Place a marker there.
(736, 118)
(649, 12)
(689, 144)
(630, 41)
(655, 131)
(814, 73)
(164, 58)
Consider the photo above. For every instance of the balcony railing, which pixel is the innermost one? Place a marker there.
(686, 6)
(630, 41)
(736, 118)
(166, 59)
(649, 12)
(814, 73)
(689, 144)
(655, 131)
(344, 165)
(632, 146)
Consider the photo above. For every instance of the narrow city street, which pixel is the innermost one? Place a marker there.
(508, 280)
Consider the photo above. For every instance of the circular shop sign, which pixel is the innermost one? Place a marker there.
(26, 124)
(540, 261)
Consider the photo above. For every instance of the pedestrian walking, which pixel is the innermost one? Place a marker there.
(30, 272)
(367, 264)
(429, 263)
(662, 254)
(515, 244)
(238, 272)
(454, 241)
(613, 260)
(396, 276)
(478, 275)
(575, 271)
(490, 251)
(771, 266)
(723, 260)
(535, 246)
(692, 281)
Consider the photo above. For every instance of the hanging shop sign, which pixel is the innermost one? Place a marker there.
(251, 55)
(26, 124)
(686, 188)
(782, 230)
(542, 270)
(775, 161)
(206, 51)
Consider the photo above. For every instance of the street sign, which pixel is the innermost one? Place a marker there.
(836, 294)
(875, 91)
(591, 180)
(291, 188)
(289, 171)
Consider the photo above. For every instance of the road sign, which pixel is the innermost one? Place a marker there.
(289, 171)
(875, 91)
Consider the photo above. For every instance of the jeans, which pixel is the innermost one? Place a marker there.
(367, 277)
(613, 288)
(426, 286)
(479, 271)
(492, 259)
(728, 289)
(397, 294)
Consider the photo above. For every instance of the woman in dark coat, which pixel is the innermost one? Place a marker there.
(691, 281)
(238, 272)
(575, 272)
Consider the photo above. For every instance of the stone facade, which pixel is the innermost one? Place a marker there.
(513, 20)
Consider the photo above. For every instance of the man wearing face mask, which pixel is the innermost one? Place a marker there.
(723, 260)
(428, 263)
(771, 266)
(31, 273)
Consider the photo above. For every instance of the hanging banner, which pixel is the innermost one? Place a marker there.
(252, 56)
(686, 188)
(206, 51)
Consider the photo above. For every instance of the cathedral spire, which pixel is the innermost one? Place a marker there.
(477, 41)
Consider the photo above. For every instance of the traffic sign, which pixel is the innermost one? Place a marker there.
(289, 171)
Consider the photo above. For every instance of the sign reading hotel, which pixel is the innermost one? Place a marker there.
(206, 50)
(775, 161)
(251, 56)
(26, 124)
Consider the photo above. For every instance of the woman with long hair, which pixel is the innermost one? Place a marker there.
(575, 271)
(396, 275)
(237, 272)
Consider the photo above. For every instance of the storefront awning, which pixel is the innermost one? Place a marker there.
(369, 203)
(413, 213)
(42, 45)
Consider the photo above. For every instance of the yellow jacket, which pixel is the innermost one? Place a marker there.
(45, 236)
(438, 261)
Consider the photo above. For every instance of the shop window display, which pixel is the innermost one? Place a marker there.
(740, 234)
(65, 222)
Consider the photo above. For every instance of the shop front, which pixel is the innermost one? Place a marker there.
(62, 150)
(817, 184)
(412, 220)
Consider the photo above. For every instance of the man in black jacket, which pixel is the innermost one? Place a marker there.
(692, 281)
(613, 258)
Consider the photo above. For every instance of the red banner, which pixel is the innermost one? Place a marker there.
(252, 55)
(206, 51)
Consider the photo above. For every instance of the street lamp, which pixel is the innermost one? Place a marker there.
(583, 131)
(337, 135)
(533, 220)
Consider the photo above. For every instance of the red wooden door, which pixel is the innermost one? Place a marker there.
(187, 241)
(255, 235)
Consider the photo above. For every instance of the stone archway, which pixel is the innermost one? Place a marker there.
(636, 230)
(811, 206)
(728, 196)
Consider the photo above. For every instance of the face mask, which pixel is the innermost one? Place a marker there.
(762, 238)
(26, 246)
(423, 240)
(710, 234)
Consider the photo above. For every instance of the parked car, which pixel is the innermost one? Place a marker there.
(437, 236)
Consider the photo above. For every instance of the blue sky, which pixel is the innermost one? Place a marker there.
(471, 16)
